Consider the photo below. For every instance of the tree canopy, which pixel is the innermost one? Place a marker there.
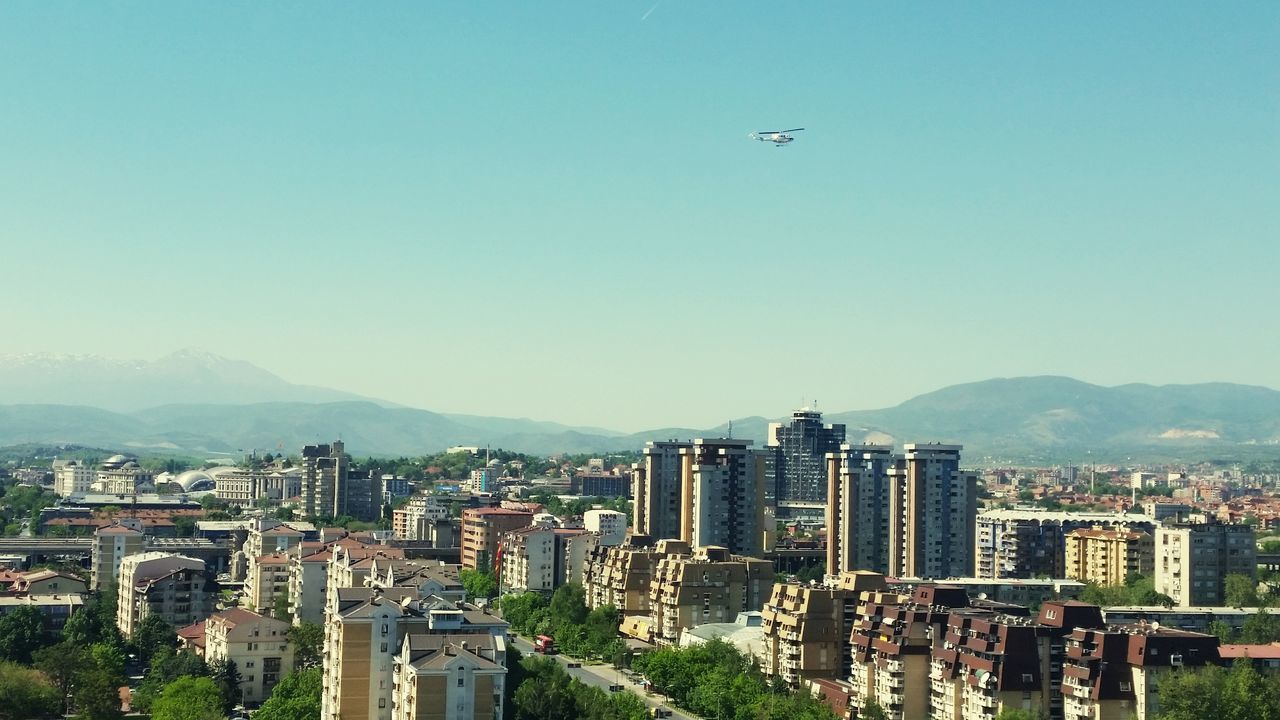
(308, 644)
(21, 634)
(296, 697)
(27, 693)
(546, 692)
(1211, 692)
(479, 583)
(189, 698)
(716, 681)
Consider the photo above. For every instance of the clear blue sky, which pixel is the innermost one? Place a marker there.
(552, 209)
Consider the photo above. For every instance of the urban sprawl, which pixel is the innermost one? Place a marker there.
(812, 577)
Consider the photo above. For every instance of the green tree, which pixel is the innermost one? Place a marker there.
(297, 697)
(185, 526)
(569, 605)
(1241, 591)
(479, 583)
(166, 666)
(308, 644)
(1260, 629)
(524, 611)
(1017, 714)
(280, 607)
(152, 634)
(1211, 692)
(227, 677)
(21, 633)
(26, 694)
(189, 698)
(873, 711)
(60, 663)
(97, 685)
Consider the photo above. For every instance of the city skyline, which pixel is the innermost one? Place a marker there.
(539, 211)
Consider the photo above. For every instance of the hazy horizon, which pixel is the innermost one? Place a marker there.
(553, 211)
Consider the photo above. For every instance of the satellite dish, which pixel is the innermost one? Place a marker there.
(1155, 626)
(982, 596)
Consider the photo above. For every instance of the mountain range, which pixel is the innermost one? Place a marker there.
(197, 402)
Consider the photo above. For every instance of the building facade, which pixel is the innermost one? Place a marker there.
(933, 535)
(1108, 557)
(796, 462)
(710, 585)
(610, 525)
(858, 513)
(657, 490)
(482, 530)
(258, 645)
(1025, 543)
(111, 545)
(807, 628)
(449, 677)
(156, 583)
(1193, 560)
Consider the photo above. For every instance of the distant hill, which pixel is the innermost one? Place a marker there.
(186, 376)
(1058, 416)
(205, 403)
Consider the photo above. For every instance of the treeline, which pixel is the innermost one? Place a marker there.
(718, 682)
(1240, 693)
(1137, 590)
(577, 631)
(544, 691)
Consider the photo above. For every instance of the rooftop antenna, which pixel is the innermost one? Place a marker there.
(730, 435)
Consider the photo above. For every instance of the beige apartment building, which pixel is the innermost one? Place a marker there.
(1108, 557)
(415, 520)
(268, 577)
(710, 585)
(807, 627)
(312, 564)
(258, 645)
(111, 545)
(164, 584)
(528, 560)
(366, 632)
(620, 576)
(449, 677)
(482, 530)
(1193, 560)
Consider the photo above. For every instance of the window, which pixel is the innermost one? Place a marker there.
(462, 681)
(384, 647)
(382, 702)
(248, 663)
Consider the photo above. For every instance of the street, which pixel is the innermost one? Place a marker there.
(602, 676)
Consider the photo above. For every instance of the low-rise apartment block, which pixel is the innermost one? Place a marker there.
(709, 585)
(1114, 672)
(449, 677)
(258, 645)
(807, 627)
(365, 634)
(620, 576)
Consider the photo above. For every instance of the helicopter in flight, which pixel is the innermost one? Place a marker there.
(777, 137)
